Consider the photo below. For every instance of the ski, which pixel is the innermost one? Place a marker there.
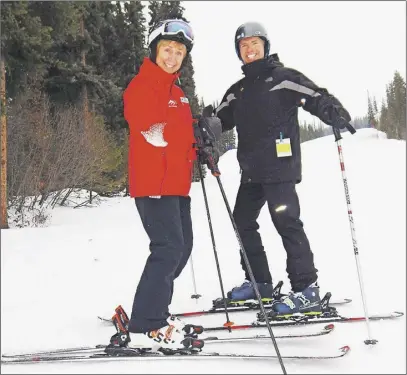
(299, 320)
(210, 339)
(56, 351)
(322, 332)
(240, 306)
(128, 354)
(249, 305)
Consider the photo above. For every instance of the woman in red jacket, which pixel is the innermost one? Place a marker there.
(161, 156)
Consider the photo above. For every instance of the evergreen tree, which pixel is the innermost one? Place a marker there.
(171, 10)
(63, 57)
(308, 131)
(23, 42)
(117, 53)
(371, 113)
(153, 9)
(360, 122)
(393, 116)
(383, 116)
(398, 105)
(136, 31)
(227, 141)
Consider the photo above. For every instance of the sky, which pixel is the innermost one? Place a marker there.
(349, 47)
(57, 279)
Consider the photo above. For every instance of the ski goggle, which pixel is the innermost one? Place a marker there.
(176, 27)
(173, 27)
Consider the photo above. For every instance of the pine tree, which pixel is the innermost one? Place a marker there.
(371, 113)
(395, 125)
(399, 105)
(227, 141)
(171, 10)
(136, 31)
(201, 105)
(383, 117)
(153, 9)
(63, 56)
(23, 42)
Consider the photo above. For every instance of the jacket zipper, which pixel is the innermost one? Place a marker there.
(165, 172)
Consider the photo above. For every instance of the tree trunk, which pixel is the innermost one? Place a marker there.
(85, 104)
(85, 100)
(3, 171)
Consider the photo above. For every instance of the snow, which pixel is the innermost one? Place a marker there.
(56, 280)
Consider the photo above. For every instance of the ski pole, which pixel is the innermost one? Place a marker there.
(195, 295)
(206, 155)
(228, 322)
(338, 138)
(216, 173)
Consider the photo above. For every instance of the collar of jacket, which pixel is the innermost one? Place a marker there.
(152, 72)
(254, 69)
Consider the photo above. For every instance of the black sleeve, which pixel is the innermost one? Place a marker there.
(318, 101)
(224, 110)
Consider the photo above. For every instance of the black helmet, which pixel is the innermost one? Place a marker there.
(250, 29)
(174, 29)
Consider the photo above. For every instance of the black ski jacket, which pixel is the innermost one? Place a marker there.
(264, 108)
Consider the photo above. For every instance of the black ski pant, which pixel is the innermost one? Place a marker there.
(284, 208)
(167, 221)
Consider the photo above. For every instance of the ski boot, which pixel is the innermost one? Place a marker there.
(301, 306)
(166, 340)
(245, 296)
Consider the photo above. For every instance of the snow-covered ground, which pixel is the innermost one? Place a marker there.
(56, 280)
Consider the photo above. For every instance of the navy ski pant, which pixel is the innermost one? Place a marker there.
(167, 221)
(284, 208)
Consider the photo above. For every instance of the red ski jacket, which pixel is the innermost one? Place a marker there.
(161, 145)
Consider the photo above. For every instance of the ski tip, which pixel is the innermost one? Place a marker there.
(347, 300)
(397, 314)
(345, 349)
(329, 327)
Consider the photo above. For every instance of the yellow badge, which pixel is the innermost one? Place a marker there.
(283, 147)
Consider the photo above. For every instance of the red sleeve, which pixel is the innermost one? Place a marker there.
(135, 111)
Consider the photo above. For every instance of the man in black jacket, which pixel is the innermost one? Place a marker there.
(264, 108)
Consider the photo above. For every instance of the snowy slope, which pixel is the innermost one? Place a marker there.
(56, 280)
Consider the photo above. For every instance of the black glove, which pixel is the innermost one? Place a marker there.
(332, 112)
(340, 117)
(207, 130)
(210, 126)
(209, 155)
(207, 152)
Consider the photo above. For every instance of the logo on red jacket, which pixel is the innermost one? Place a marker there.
(172, 103)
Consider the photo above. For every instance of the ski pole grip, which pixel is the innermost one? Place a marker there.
(342, 122)
(351, 129)
(337, 134)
